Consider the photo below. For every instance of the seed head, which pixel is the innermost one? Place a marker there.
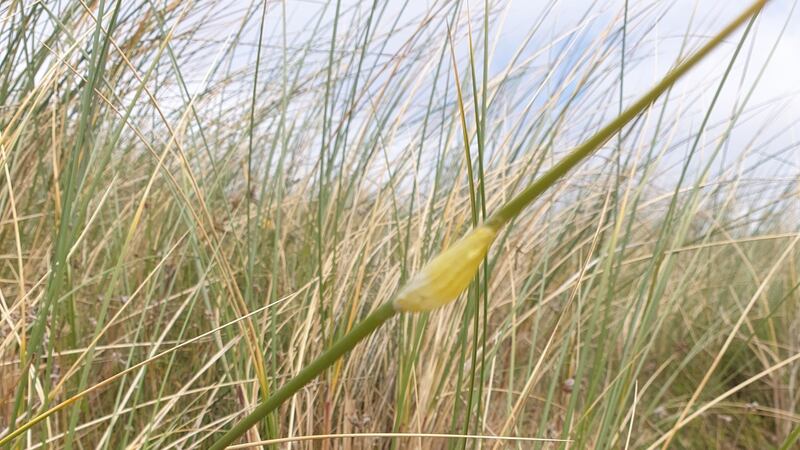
(447, 275)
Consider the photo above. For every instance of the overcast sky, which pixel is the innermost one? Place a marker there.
(657, 30)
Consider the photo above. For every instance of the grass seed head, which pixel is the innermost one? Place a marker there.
(448, 274)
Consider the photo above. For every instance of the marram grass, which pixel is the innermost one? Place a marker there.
(447, 275)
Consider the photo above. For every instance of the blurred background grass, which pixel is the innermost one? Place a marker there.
(177, 166)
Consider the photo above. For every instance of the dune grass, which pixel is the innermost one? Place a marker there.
(199, 198)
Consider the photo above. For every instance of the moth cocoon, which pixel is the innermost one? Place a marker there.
(447, 275)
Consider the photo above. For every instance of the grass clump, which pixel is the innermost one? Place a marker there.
(199, 198)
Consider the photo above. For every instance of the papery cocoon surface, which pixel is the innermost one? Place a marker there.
(447, 275)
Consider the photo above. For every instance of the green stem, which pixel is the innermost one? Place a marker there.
(309, 372)
(524, 198)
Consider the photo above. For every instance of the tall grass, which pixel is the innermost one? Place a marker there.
(200, 197)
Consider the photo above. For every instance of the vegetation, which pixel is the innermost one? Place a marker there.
(201, 197)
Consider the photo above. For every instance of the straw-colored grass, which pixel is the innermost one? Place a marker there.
(198, 198)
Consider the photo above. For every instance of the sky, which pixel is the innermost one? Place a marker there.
(561, 30)
(657, 31)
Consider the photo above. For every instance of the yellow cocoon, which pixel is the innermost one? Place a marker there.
(448, 274)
